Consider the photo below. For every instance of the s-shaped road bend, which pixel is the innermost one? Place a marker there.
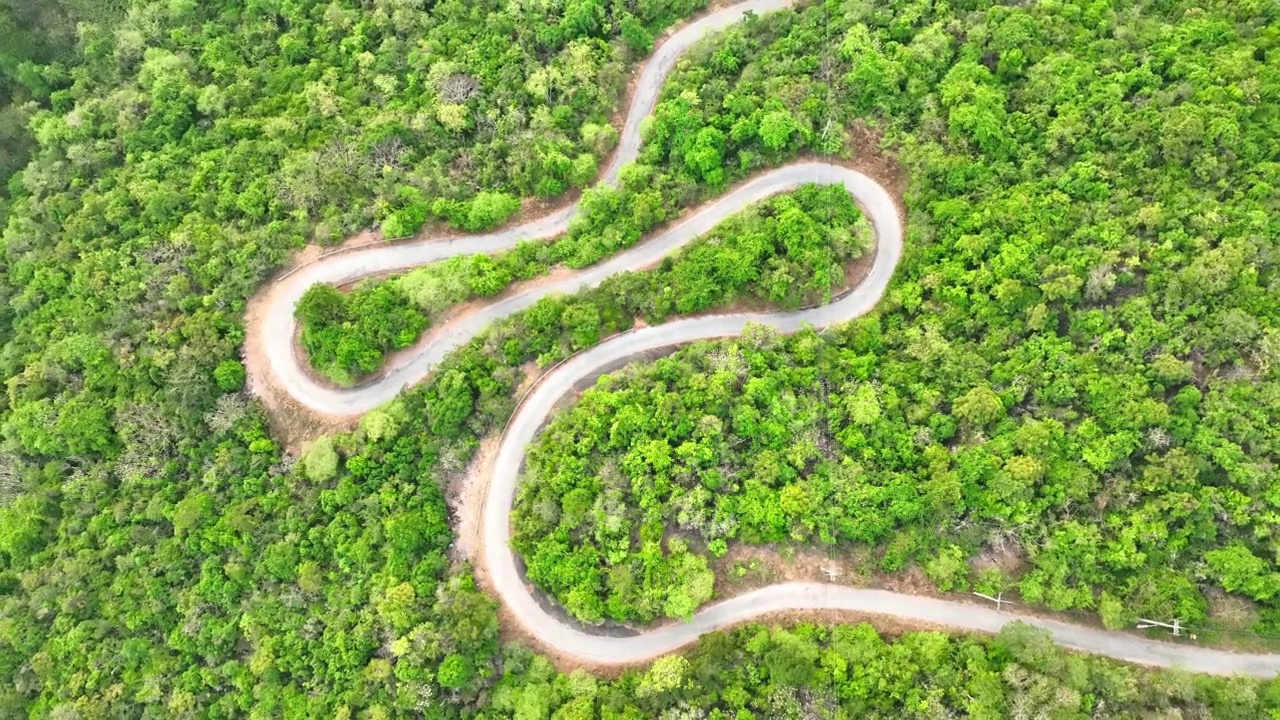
(276, 332)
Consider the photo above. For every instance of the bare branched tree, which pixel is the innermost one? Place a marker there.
(458, 88)
(1101, 281)
(287, 462)
(150, 441)
(1158, 438)
(388, 152)
(486, 127)
(10, 480)
(228, 411)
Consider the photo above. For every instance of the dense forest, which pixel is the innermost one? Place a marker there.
(1074, 378)
(332, 567)
(789, 250)
(1079, 355)
(39, 43)
(193, 146)
(811, 439)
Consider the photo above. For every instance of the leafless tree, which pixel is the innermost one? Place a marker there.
(923, 436)
(1100, 282)
(287, 462)
(150, 440)
(1267, 352)
(462, 169)
(486, 126)
(453, 457)
(10, 481)
(341, 156)
(1158, 438)
(728, 360)
(312, 629)
(801, 704)
(1237, 372)
(388, 152)
(458, 88)
(188, 379)
(228, 411)
(683, 712)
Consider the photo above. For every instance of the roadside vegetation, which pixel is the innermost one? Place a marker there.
(810, 671)
(785, 251)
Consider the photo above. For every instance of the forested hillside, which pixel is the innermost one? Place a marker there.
(1077, 368)
(39, 43)
(1075, 377)
(1074, 383)
(195, 145)
(141, 498)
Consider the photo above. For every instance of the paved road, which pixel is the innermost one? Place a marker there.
(545, 628)
(612, 353)
(275, 331)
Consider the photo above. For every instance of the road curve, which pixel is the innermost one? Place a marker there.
(541, 402)
(277, 329)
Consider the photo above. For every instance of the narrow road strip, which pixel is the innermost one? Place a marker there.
(276, 329)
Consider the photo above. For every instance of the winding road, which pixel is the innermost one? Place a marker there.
(276, 331)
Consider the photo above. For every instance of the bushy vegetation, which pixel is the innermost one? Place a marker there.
(809, 671)
(1076, 369)
(786, 250)
(346, 334)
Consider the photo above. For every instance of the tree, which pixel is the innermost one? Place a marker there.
(321, 460)
(449, 403)
(979, 406)
(456, 671)
(409, 215)
(638, 38)
(976, 106)
(230, 375)
(396, 607)
(948, 569)
(776, 129)
(379, 424)
(583, 17)
(863, 405)
(489, 209)
(706, 157)
(22, 527)
(1241, 571)
(321, 304)
(485, 277)
(665, 675)
(453, 117)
